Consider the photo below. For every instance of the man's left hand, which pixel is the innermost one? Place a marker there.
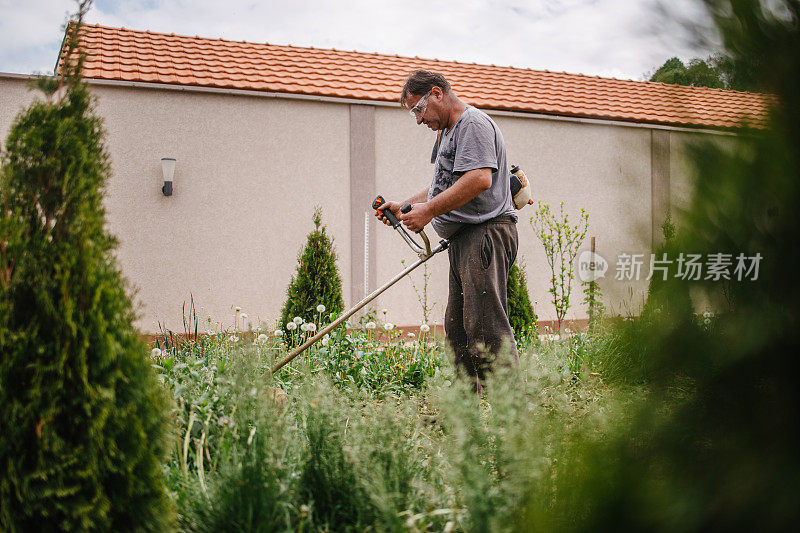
(418, 217)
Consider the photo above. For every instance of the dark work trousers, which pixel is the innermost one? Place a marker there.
(476, 320)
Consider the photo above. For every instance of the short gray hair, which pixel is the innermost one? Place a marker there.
(420, 82)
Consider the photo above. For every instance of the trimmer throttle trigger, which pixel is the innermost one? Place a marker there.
(387, 213)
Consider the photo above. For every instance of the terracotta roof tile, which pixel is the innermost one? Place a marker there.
(122, 54)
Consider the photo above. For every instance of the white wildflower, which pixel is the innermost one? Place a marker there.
(291, 326)
(297, 320)
(424, 328)
(244, 315)
(156, 352)
(303, 327)
(311, 327)
(279, 332)
(707, 321)
(707, 315)
(320, 308)
(388, 326)
(238, 309)
(369, 325)
(262, 337)
(411, 335)
(384, 311)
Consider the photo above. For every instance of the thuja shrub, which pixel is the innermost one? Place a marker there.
(83, 418)
(520, 311)
(317, 281)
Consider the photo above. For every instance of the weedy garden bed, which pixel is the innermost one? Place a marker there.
(370, 432)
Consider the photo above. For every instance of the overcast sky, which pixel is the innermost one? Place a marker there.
(617, 38)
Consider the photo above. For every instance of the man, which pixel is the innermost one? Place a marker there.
(469, 202)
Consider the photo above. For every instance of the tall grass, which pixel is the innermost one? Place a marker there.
(338, 455)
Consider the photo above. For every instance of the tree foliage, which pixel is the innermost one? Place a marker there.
(521, 315)
(714, 446)
(317, 280)
(717, 71)
(561, 241)
(82, 417)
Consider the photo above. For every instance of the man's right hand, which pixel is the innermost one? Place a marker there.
(394, 207)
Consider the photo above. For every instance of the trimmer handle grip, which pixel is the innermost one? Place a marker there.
(405, 209)
(387, 213)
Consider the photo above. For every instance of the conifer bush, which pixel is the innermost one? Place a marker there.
(317, 280)
(520, 311)
(83, 417)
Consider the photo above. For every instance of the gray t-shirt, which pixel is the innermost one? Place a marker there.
(473, 142)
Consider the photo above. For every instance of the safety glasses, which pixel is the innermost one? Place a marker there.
(419, 109)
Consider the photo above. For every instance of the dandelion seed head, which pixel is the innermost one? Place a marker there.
(297, 320)
(155, 353)
(311, 327)
(388, 326)
(291, 326)
(320, 308)
(238, 309)
(244, 315)
(262, 337)
(369, 325)
(278, 332)
(424, 328)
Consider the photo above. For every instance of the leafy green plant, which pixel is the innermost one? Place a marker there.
(317, 281)
(521, 315)
(83, 418)
(422, 294)
(593, 299)
(561, 241)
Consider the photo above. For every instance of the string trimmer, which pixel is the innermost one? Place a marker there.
(521, 194)
(424, 253)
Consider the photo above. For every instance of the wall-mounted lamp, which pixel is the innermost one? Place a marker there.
(168, 169)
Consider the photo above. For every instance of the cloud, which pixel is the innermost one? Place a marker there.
(31, 33)
(621, 38)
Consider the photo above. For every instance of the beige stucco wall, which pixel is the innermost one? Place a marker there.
(250, 170)
(248, 175)
(603, 169)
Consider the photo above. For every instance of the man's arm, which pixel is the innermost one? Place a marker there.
(394, 207)
(421, 196)
(467, 187)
